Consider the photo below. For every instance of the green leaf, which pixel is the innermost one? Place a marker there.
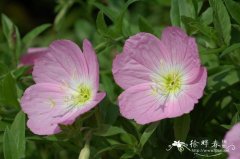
(18, 44)
(233, 8)
(119, 20)
(207, 16)
(195, 26)
(186, 8)
(222, 77)
(28, 38)
(14, 138)
(147, 133)
(3, 69)
(64, 7)
(230, 49)
(144, 25)
(18, 129)
(109, 111)
(8, 29)
(9, 148)
(128, 154)
(226, 126)
(108, 85)
(129, 2)
(12, 35)
(101, 24)
(182, 127)
(8, 91)
(221, 21)
(106, 130)
(107, 11)
(174, 13)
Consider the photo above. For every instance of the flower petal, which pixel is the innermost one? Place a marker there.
(147, 50)
(196, 84)
(92, 63)
(71, 116)
(46, 102)
(232, 138)
(142, 54)
(31, 55)
(63, 62)
(182, 47)
(139, 103)
(184, 102)
(127, 72)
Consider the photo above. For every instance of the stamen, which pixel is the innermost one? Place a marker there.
(83, 95)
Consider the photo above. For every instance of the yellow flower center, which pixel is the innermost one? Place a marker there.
(82, 95)
(167, 84)
(172, 82)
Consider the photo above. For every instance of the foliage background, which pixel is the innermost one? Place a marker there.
(107, 24)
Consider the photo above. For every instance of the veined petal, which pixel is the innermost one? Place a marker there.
(72, 115)
(92, 63)
(31, 55)
(42, 125)
(183, 49)
(147, 50)
(127, 72)
(140, 103)
(142, 55)
(63, 63)
(195, 85)
(43, 103)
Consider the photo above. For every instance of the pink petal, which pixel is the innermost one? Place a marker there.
(195, 86)
(71, 116)
(92, 62)
(42, 125)
(233, 138)
(184, 102)
(141, 55)
(181, 46)
(43, 103)
(63, 63)
(147, 50)
(140, 104)
(130, 73)
(31, 55)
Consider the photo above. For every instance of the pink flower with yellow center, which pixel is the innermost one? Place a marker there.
(67, 82)
(161, 78)
(232, 140)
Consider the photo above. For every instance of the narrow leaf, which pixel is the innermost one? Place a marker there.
(8, 91)
(27, 39)
(230, 49)
(174, 13)
(148, 133)
(144, 25)
(181, 127)
(101, 24)
(221, 21)
(18, 129)
(14, 138)
(233, 8)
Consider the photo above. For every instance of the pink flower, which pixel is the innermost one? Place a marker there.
(232, 140)
(67, 81)
(162, 78)
(31, 55)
